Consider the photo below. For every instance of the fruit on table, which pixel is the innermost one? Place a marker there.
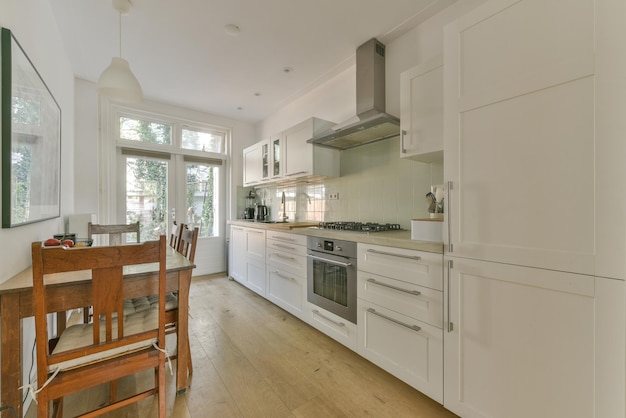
(67, 243)
(52, 242)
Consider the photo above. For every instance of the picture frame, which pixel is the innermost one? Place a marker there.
(31, 139)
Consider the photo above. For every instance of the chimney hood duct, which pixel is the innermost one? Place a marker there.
(371, 123)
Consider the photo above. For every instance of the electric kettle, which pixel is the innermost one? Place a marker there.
(262, 213)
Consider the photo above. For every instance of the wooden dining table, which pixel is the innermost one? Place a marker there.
(72, 291)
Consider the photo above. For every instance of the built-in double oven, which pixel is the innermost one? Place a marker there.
(331, 276)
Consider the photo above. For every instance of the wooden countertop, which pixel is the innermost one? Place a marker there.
(398, 239)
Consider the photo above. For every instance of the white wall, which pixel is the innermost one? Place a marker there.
(33, 24)
(335, 99)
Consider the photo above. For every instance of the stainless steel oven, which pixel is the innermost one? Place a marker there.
(331, 276)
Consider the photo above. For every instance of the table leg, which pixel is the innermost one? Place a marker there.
(184, 283)
(11, 351)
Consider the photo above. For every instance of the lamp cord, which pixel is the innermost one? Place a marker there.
(120, 14)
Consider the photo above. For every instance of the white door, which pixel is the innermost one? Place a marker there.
(165, 174)
(518, 341)
(519, 134)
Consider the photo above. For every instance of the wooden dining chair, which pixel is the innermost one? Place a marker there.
(114, 345)
(175, 235)
(114, 232)
(187, 240)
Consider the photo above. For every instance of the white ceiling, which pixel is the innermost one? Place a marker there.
(181, 54)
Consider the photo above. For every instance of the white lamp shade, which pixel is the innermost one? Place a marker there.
(119, 82)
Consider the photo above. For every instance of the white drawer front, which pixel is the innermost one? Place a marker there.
(287, 238)
(284, 260)
(410, 350)
(285, 246)
(286, 290)
(417, 267)
(332, 325)
(408, 299)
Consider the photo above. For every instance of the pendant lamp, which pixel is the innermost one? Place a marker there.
(118, 81)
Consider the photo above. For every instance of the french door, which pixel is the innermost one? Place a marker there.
(167, 171)
(157, 190)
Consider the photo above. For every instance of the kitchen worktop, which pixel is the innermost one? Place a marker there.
(398, 239)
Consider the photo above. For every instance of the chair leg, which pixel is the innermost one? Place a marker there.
(189, 362)
(112, 391)
(161, 388)
(57, 408)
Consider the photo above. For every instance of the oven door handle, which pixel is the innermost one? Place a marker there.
(326, 260)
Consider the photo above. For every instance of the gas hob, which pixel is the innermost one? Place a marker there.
(358, 226)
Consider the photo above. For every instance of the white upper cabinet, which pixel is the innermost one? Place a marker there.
(253, 164)
(288, 156)
(421, 112)
(275, 157)
(519, 134)
(303, 159)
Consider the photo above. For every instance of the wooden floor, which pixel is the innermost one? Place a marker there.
(252, 359)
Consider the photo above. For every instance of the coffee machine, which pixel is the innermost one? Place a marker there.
(249, 211)
(262, 213)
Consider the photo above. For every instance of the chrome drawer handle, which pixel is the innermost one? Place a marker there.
(276, 272)
(283, 256)
(283, 238)
(412, 292)
(339, 324)
(395, 321)
(326, 260)
(286, 247)
(410, 257)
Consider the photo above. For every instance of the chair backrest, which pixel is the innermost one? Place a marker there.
(106, 264)
(187, 242)
(114, 232)
(175, 235)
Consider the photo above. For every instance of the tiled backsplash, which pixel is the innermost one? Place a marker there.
(375, 185)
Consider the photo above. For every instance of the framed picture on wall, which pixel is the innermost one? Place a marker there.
(31, 139)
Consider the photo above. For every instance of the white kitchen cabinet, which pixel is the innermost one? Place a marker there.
(286, 271)
(302, 159)
(409, 349)
(337, 328)
(276, 150)
(253, 163)
(519, 134)
(247, 257)
(400, 314)
(421, 112)
(419, 267)
(520, 341)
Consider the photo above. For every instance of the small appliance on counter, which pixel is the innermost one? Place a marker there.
(262, 213)
(429, 229)
(249, 211)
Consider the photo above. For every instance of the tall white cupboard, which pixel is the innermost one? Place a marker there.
(535, 241)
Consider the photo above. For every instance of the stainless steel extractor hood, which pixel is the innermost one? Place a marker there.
(371, 123)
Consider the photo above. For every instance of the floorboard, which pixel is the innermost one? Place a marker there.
(252, 359)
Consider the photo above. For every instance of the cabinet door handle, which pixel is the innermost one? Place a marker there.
(276, 272)
(450, 247)
(412, 292)
(410, 257)
(402, 148)
(395, 321)
(295, 174)
(450, 324)
(284, 246)
(339, 324)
